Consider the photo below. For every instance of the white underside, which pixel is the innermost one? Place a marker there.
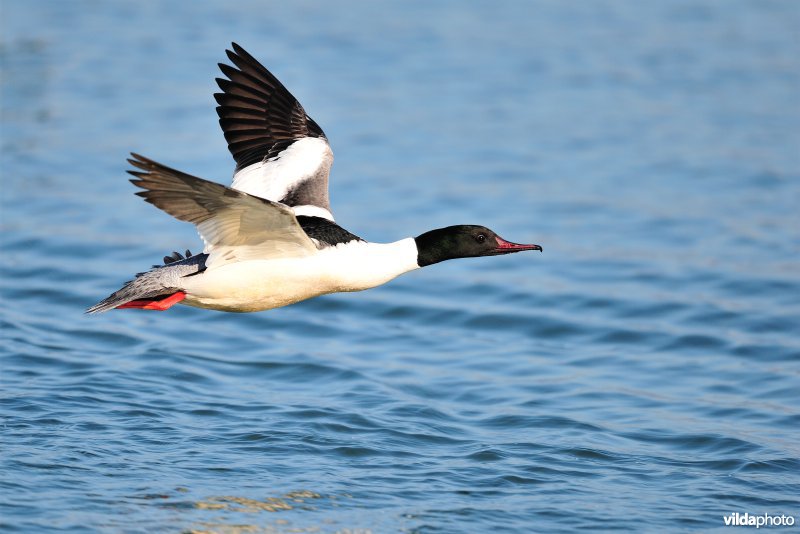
(255, 285)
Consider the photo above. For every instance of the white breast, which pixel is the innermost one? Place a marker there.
(264, 284)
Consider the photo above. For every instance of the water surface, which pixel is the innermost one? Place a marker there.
(641, 374)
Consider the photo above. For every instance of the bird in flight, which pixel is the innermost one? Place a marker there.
(270, 238)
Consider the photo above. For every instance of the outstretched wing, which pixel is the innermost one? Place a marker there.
(281, 153)
(235, 226)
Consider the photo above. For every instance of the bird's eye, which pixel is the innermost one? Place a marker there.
(480, 238)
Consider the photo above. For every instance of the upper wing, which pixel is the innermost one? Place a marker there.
(235, 226)
(281, 153)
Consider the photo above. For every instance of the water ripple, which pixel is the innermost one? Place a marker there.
(639, 375)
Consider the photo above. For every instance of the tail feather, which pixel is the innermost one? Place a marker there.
(145, 287)
(157, 289)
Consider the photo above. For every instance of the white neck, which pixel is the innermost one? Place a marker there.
(361, 265)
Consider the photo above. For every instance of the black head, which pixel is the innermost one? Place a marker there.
(463, 241)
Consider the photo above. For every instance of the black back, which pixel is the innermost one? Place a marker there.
(326, 232)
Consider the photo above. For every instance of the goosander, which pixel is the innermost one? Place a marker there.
(271, 239)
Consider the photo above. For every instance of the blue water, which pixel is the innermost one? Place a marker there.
(642, 374)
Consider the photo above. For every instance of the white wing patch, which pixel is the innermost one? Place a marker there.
(306, 159)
